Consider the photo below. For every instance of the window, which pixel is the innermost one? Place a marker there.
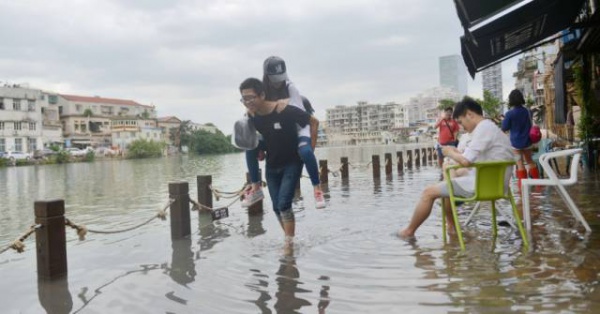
(17, 127)
(78, 107)
(60, 110)
(52, 99)
(1, 128)
(2, 104)
(32, 145)
(2, 145)
(19, 144)
(31, 105)
(31, 126)
(16, 104)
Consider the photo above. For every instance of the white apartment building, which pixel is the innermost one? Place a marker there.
(87, 121)
(423, 108)
(361, 124)
(492, 80)
(28, 121)
(203, 127)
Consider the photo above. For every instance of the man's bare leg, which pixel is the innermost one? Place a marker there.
(422, 210)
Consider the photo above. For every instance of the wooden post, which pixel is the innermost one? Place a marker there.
(323, 172)
(400, 162)
(344, 168)
(417, 157)
(256, 208)
(376, 166)
(430, 155)
(409, 159)
(424, 156)
(204, 191)
(51, 239)
(388, 164)
(180, 209)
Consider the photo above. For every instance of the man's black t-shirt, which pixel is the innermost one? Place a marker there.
(280, 133)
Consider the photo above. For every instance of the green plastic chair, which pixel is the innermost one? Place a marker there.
(489, 186)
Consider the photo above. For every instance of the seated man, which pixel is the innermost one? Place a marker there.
(487, 143)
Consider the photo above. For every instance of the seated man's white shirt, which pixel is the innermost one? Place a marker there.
(487, 143)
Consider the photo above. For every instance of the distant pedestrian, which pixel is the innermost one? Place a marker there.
(447, 133)
(518, 122)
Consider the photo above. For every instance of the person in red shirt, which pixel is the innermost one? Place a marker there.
(447, 133)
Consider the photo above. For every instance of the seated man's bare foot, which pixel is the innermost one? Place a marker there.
(405, 234)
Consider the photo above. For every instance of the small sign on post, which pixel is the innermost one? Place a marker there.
(222, 212)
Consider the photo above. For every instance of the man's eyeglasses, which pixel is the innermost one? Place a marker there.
(248, 99)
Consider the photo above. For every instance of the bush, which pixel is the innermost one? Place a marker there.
(145, 149)
(61, 157)
(90, 156)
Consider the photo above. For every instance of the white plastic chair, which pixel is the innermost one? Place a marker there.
(553, 180)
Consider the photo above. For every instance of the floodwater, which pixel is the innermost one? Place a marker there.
(346, 258)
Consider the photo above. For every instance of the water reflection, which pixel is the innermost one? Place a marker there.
(210, 233)
(289, 286)
(183, 268)
(55, 296)
(255, 225)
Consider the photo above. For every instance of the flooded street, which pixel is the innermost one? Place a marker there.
(346, 258)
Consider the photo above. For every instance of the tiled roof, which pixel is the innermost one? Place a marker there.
(102, 100)
(165, 119)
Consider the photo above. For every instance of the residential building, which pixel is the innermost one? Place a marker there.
(453, 73)
(492, 80)
(208, 127)
(168, 125)
(86, 121)
(423, 108)
(28, 122)
(126, 130)
(379, 124)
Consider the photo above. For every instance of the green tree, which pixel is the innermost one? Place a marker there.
(204, 142)
(492, 106)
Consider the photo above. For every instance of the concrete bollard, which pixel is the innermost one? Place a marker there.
(205, 194)
(409, 159)
(376, 166)
(388, 164)
(256, 208)
(323, 172)
(180, 209)
(344, 168)
(51, 239)
(400, 162)
(417, 158)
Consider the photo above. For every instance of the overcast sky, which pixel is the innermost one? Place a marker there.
(188, 57)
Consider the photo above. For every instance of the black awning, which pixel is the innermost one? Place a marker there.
(516, 31)
(471, 12)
